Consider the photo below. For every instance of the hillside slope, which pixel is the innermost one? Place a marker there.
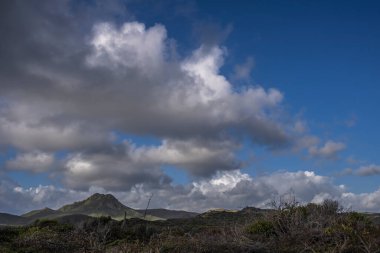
(10, 219)
(169, 214)
(100, 205)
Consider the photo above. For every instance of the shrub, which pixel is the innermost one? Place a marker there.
(261, 227)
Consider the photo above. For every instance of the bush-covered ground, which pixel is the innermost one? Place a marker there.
(288, 228)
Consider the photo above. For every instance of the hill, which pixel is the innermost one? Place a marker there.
(107, 205)
(95, 206)
(100, 205)
(10, 219)
(322, 227)
(38, 214)
(169, 214)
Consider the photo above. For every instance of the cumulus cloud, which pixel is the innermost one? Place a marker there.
(329, 150)
(114, 170)
(232, 189)
(130, 46)
(369, 202)
(197, 157)
(124, 165)
(35, 161)
(85, 80)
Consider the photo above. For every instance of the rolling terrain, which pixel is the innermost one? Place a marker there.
(87, 226)
(96, 205)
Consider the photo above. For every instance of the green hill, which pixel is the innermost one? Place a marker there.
(103, 205)
(10, 219)
(38, 214)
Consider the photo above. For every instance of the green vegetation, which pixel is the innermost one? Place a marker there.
(288, 228)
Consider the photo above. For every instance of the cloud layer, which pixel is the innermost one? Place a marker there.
(232, 189)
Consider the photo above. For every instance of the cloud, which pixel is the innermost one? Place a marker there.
(35, 161)
(367, 170)
(210, 34)
(300, 126)
(16, 199)
(71, 81)
(116, 169)
(345, 172)
(229, 189)
(306, 141)
(369, 202)
(329, 150)
(243, 71)
(131, 46)
(123, 78)
(32, 135)
(124, 165)
(197, 157)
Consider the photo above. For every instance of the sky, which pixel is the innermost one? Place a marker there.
(204, 104)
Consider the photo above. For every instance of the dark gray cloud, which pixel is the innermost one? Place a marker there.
(120, 168)
(124, 165)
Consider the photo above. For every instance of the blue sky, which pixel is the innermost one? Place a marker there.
(201, 101)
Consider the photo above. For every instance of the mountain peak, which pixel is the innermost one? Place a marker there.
(100, 205)
(99, 196)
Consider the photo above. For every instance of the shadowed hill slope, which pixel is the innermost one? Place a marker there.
(10, 219)
(169, 214)
(41, 213)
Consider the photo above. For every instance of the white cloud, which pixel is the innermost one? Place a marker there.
(131, 84)
(130, 46)
(329, 150)
(35, 161)
(17, 200)
(369, 202)
(231, 190)
(222, 182)
(125, 80)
